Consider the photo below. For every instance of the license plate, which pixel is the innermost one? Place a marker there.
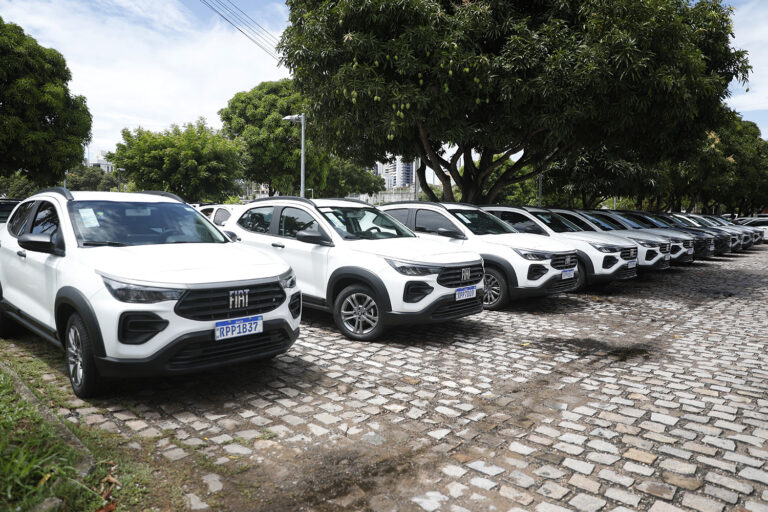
(667, 257)
(690, 251)
(632, 264)
(468, 292)
(569, 273)
(711, 247)
(238, 327)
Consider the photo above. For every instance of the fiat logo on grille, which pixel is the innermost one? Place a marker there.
(238, 299)
(466, 274)
(568, 260)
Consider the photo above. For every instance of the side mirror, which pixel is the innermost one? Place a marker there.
(232, 236)
(313, 237)
(38, 242)
(451, 233)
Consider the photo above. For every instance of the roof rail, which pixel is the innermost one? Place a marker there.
(414, 202)
(58, 190)
(164, 194)
(345, 199)
(277, 198)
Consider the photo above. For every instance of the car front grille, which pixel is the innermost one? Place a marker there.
(626, 273)
(629, 254)
(664, 248)
(562, 285)
(214, 304)
(451, 277)
(564, 261)
(205, 350)
(687, 244)
(458, 308)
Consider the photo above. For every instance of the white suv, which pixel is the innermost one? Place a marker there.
(516, 264)
(362, 265)
(141, 284)
(602, 257)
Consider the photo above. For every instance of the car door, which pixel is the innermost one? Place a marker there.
(13, 268)
(42, 273)
(308, 260)
(427, 222)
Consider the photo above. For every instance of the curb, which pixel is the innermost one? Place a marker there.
(86, 460)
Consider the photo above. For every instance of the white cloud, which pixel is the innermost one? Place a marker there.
(145, 63)
(750, 34)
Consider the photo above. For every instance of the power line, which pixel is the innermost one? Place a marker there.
(262, 35)
(266, 32)
(254, 36)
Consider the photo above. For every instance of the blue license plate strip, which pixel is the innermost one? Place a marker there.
(238, 327)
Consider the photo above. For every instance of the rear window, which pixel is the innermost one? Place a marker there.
(19, 220)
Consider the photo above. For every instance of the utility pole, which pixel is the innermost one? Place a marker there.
(541, 180)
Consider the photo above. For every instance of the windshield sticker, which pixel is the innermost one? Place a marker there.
(138, 212)
(334, 219)
(89, 218)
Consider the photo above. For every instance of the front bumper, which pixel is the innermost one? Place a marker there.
(441, 310)
(199, 351)
(555, 284)
(622, 273)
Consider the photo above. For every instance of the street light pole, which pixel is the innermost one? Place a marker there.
(300, 118)
(540, 182)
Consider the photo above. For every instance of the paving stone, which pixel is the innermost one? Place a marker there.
(552, 490)
(521, 479)
(579, 466)
(516, 495)
(194, 502)
(638, 468)
(730, 483)
(549, 507)
(721, 494)
(755, 475)
(175, 454)
(661, 506)
(587, 503)
(678, 466)
(488, 469)
(681, 481)
(623, 496)
(585, 483)
(700, 503)
(755, 506)
(657, 489)
(549, 472)
(640, 456)
(521, 448)
(430, 501)
(612, 476)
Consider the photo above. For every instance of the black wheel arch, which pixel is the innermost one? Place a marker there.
(69, 300)
(345, 276)
(504, 266)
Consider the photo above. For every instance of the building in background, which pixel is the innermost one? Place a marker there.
(398, 173)
(101, 161)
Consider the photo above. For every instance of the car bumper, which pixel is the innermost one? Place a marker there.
(199, 351)
(622, 273)
(443, 309)
(555, 284)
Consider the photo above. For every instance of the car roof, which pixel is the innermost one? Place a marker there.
(142, 197)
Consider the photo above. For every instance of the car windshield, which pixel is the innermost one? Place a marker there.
(642, 220)
(118, 223)
(556, 223)
(705, 222)
(631, 223)
(659, 221)
(604, 223)
(581, 223)
(722, 222)
(482, 223)
(685, 221)
(355, 223)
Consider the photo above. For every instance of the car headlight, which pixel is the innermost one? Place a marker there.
(645, 243)
(605, 247)
(413, 269)
(532, 255)
(288, 280)
(139, 294)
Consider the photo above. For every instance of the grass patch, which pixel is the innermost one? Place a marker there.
(34, 462)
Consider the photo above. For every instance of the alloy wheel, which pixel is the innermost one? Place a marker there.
(75, 356)
(360, 313)
(492, 290)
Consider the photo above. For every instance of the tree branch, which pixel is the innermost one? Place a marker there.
(422, 175)
(429, 155)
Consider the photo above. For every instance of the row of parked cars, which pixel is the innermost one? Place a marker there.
(138, 284)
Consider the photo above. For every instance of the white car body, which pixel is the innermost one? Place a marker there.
(42, 289)
(603, 257)
(759, 222)
(330, 264)
(555, 273)
(219, 214)
(652, 250)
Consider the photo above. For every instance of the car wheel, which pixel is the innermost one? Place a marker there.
(496, 292)
(83, 375)
(357, 313)
(582, 277)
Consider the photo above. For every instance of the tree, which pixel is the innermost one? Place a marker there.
(450, 80)
(273, 146)
(42, 126)
(346, 178)
(17, 186)
(84, 177)
(194, 161)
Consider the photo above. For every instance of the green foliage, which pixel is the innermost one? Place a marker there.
(84, 177)
(42, 126)
(193, 161)
(345, 177)
(17, 185)
(442, 80)
(33, 458)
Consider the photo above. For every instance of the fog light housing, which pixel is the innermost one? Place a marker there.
(135, 328)
(609, 261)
(415, 291)
(536, 271)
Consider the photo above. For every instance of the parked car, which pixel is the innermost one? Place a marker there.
(652, 252)
(602, 257)
(6, 207)
(744, 238)
(757, 234)
(110, 278)
(516, 264)
(734, 239)
(218, 213)
(758, 222)
(706, 243)
(361, 265)
(702, 245)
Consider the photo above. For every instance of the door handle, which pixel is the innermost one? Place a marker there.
(279, 245)
(21, 254)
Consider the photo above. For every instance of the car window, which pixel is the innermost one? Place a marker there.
(5, 210)
(140, 223)
(428, 221)
(556, 223)
(257, 220)
(207, 212)
(293, 220)
(684, 221)
(19, 220)
(401, 214)
(221, 216)
(366, 223)
(659, 221)
(639, 220)
(603, 221)
(584, 225)
(522, 223)
(46, 221)
(759, 223)
(623, 218)
(481, 223)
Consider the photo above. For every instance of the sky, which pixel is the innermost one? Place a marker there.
(153, 63)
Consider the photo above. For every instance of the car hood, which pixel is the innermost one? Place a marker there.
(417, 250)
(638, 233)
(600, 238)
(672, 233)
(526, 241)
(184, 264)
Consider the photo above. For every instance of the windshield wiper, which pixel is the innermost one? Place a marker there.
(98, 243)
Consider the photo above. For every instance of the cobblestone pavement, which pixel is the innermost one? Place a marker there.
(644, 395)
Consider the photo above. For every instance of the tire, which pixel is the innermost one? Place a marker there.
(83, 375)
(496, 293)
(582, 279)
(357, 313)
